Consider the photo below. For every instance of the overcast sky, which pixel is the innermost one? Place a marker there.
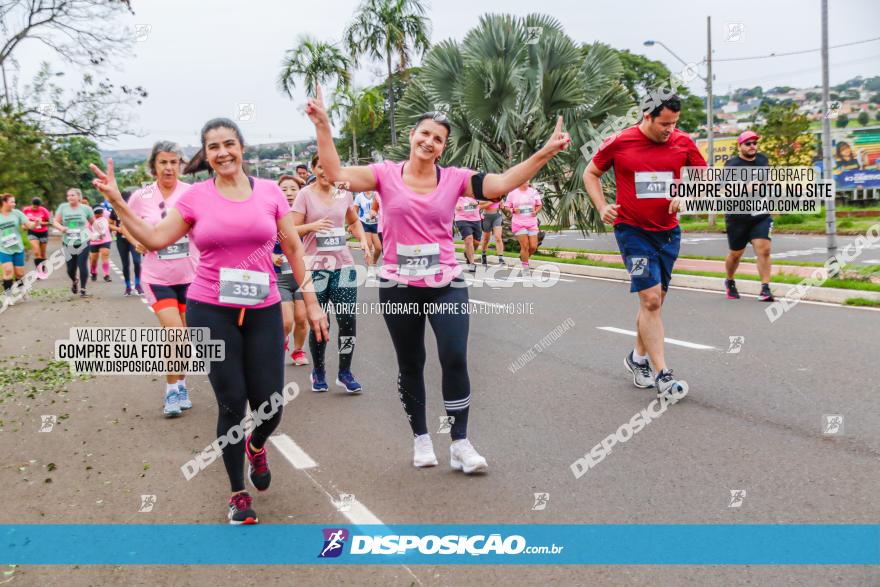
(202, 58)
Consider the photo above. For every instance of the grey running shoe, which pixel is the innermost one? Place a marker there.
(643, 378)
(669, 387)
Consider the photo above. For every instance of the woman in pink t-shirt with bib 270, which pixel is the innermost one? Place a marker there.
(420, 271)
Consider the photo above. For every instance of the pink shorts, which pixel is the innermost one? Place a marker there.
(529, 228)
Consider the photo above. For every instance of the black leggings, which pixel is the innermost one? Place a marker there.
(125, 249)
(338, 288)
(408, 335)
(79, 261)
(251, 372)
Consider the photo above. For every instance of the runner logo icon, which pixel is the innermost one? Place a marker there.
(346, 345)
(334, 541)
(638, 266)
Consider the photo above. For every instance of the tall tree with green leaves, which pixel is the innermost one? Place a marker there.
(358, 111)
(382, 29)
(315, 62)
(640, 75)
(785, 136)
(503, 88)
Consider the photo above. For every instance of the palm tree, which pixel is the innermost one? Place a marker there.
(317, 63)
(504, 94)
(358, 111)
(383, 28)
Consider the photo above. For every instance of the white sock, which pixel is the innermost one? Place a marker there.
(640, 359)
(170, 387)
(181, 382)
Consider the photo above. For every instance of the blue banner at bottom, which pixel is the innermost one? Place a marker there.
(693, 544)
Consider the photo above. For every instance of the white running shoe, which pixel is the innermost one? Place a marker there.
(423, 452)
(463, 457)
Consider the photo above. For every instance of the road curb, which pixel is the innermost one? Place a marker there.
(780, 290)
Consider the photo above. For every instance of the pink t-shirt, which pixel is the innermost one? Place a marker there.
(325, 250)
(523, 204)
(233, 235)
(149, 204)
(100, 231)
(417, 233)
(467, 209)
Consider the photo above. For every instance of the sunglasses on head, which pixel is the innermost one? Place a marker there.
(750, 143)
(162, 207)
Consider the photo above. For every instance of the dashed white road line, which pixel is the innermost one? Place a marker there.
(684, 343)
(292, 452)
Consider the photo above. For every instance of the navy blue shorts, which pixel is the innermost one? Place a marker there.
(374, 228)
(648, 256)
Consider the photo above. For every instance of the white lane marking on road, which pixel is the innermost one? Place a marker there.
(292, 452)
(358, 514)
(684, 343)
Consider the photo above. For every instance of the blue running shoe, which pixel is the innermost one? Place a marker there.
(172, 404)
(318, 382)
(346, 379)
(183, 397)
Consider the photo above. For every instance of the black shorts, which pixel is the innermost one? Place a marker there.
(469, 228)
(43, 237)
(490, 221)
(741, 230)
(167, 296)
(374, 228)
(96, 248)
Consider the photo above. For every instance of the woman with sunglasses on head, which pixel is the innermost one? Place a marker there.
(234, 220)
(166, 272)
(293, 308)
(418, 203)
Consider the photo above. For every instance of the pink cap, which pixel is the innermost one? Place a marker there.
(747, 135)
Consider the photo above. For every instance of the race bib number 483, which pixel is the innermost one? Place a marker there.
(652, 184)
(330, 240)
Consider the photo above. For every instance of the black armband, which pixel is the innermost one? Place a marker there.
(477, 187)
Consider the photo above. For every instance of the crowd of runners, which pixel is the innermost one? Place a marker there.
(261, 262)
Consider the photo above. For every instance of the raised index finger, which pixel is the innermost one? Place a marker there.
(110, 167)
(319, 95)
(558, 125)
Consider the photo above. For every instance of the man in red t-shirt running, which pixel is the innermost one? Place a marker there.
(646, 158)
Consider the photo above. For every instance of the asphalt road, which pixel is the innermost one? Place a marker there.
(786, 247)
(752, 421)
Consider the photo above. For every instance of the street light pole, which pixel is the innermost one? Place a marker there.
(830, 221)
(710, 116)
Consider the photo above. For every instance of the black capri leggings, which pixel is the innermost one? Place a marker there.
(407, 331)
(78, 261)
(252, 371)
(125, 249)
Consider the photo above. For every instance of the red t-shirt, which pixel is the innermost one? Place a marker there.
(38, 213)
(643, 170)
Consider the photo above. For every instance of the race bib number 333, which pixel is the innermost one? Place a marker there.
(243, 288)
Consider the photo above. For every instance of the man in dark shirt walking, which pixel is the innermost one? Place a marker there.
(742, 228)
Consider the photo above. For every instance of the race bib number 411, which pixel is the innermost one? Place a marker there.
(652, 184)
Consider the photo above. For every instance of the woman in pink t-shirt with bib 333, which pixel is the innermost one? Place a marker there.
(233, 220)
(421, 272)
